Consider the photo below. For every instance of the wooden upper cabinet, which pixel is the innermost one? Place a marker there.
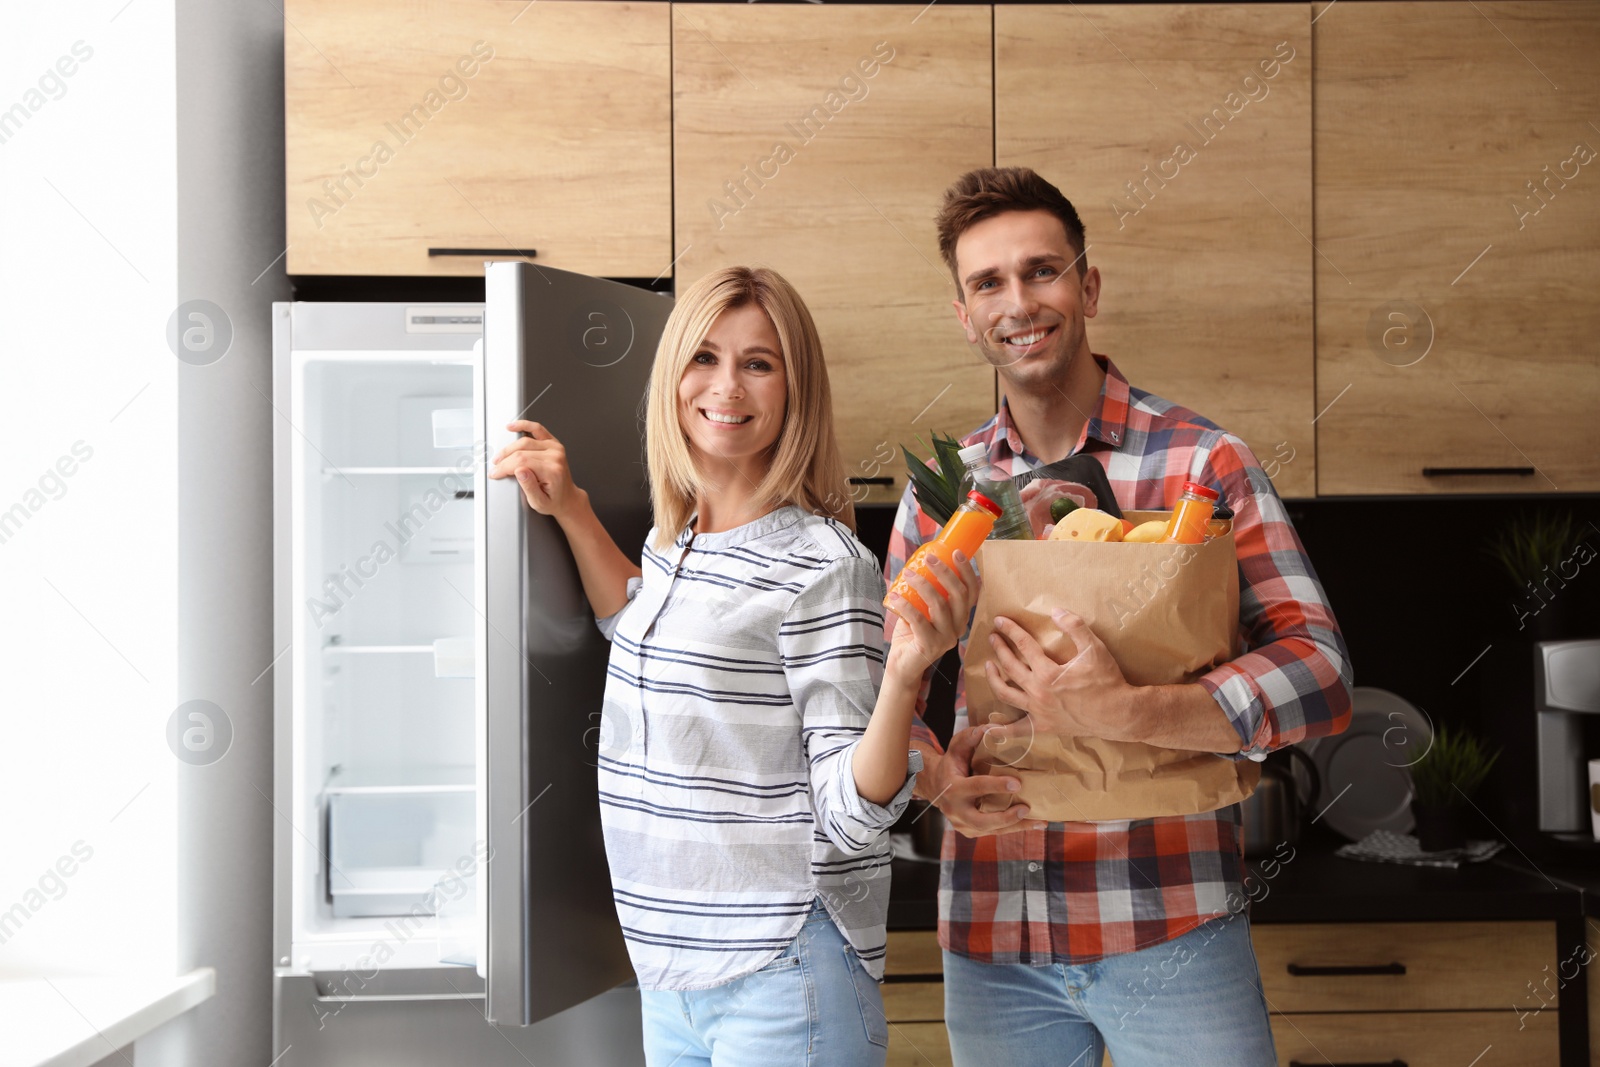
(818, 141)
(1458, 217)
(478, 124)
(1182, 134)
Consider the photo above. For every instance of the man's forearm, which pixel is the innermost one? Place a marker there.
(1180, 716)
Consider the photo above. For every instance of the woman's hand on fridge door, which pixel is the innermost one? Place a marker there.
(539, 463)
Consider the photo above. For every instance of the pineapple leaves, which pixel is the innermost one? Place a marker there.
(937, 488)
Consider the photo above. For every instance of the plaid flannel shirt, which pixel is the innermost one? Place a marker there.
(1076, 892)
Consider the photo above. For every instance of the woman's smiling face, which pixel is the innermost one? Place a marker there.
(733, 394)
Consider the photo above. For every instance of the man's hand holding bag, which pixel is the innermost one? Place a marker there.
(1164, 613)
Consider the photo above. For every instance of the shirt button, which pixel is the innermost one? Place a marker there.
(1035, 866)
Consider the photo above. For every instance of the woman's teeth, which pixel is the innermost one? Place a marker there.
(731, 420)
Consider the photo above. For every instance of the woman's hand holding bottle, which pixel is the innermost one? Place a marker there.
(919, 641)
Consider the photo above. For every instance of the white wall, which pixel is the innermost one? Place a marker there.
(88, 559)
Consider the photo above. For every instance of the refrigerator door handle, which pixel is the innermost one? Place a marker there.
(504, 869)
(384, 987)
(385, 998)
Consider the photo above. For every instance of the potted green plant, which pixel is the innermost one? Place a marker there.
(1532, 549)
(1442, 781)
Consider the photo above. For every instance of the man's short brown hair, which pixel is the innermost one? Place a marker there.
(989, 191)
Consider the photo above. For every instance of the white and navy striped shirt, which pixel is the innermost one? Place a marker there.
(743, 671)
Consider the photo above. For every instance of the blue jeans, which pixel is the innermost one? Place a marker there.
(1194, 1000)
(813, 1005)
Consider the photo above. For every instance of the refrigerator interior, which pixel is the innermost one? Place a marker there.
(386, 634)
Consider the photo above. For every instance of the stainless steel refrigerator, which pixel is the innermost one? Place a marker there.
(441, 894)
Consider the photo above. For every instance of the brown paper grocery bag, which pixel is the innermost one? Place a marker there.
(1167, 613)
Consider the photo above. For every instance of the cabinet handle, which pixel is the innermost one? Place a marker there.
(1364, 1063)
(872, 481)
(1446, 472)
(523, 253)
(1302, 971)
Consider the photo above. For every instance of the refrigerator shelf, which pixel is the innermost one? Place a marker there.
(330, 472)
(453, 657)
(409, 790)
(411, 778)
(331, 647)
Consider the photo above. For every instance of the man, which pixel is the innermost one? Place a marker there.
(1063, 939)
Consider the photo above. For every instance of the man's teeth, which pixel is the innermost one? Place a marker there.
(1025, 339)
(730, 419)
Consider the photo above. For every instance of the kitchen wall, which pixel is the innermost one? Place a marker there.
(1419, 600)
(229, 65)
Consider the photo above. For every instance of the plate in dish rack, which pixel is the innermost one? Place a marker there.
(1366, 771)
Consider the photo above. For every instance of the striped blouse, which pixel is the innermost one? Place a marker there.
(743, 670)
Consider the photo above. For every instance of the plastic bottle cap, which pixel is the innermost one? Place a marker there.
(972, 452)
(1200, 490)
(984, 502)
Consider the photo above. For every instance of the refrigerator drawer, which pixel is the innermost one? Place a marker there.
(354, 1020)
(388, 850)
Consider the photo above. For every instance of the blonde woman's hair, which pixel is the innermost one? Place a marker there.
(804, 469)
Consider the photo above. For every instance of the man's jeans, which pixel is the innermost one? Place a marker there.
(1194, 1000)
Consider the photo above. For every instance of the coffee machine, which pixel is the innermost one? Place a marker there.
(1566, 688)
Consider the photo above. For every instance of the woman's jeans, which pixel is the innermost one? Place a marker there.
(1195, 1000)
(813, 1006)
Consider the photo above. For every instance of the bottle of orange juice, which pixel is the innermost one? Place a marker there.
(1191, 515)
(964, 533)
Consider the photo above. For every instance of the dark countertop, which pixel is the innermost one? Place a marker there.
(1311, 884)
(1566, 863)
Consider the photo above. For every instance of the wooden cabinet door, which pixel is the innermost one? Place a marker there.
(1417, 1038)
(1458, 220)
(1182, 134)
(478, 125)
(1426, 966)
(818, 140)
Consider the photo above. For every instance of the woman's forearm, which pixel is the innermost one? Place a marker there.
(601, 564)
(879, 763)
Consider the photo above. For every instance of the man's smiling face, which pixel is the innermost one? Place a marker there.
(1025, 296)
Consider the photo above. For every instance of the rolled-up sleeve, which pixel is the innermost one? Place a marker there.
(608, 625)
(831, 642)
(1293, 679)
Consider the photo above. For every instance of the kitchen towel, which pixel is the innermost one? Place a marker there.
(1386, 846)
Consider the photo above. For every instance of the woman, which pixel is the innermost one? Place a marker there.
(749, 762)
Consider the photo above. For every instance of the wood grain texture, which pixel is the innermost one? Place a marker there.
(1418, 1039)
(559, 142)
(1204, 249)
(844, 208)
(913, 1002)
(914, 952)
(918, 1045)
(1448, 965)
(1431, 121)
